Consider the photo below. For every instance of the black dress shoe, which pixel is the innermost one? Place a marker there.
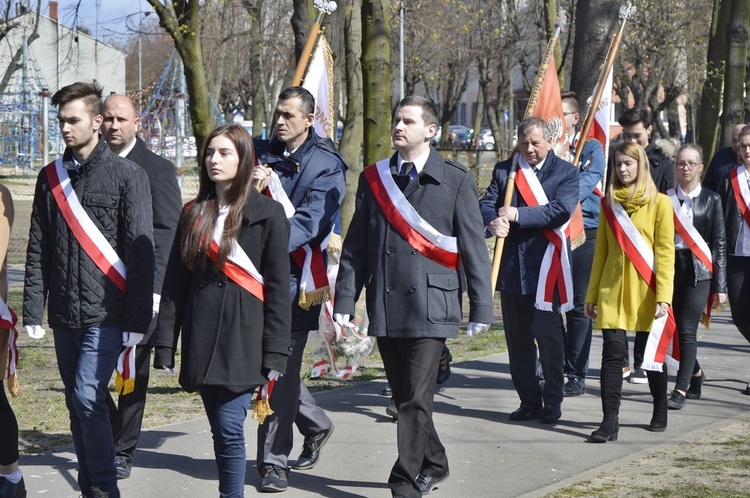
(676, 401)
(551, 414)
(275, 480)
(123, 466)
(525, 414)
(427, 483)
(575, 386)
(17, 490)
(311, 450)
(444, 371)
(387, 391)
(746, 391)
(696, 386)
(392, 410)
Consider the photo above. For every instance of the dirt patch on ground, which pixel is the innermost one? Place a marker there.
(716, 464)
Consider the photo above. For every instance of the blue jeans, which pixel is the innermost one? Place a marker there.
(86, 358)
(226, 412)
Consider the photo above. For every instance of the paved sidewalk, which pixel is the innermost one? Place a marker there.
(490, 456)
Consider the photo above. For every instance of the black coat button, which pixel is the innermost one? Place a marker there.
(221, 284)
(389, 289)
(414, 251)
(202, 284)
(412, 290)
(389, 251)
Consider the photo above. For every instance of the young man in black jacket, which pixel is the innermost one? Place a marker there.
(91, 258)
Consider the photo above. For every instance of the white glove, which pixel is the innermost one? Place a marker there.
(474, 328)
(131, 339)
(274, 374)
(35, 331)
(155, 308)
(344, 320)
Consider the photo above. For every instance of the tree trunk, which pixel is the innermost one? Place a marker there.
(376, 73)
(351, 141)
(596, 25)
(738, 34)
(182, 21)
(708, 123)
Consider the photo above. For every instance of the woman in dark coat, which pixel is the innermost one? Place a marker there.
(698, 208)
(227, 289)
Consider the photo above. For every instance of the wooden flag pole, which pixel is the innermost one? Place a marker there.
(511, 183)
(323, 7)
(626, 12)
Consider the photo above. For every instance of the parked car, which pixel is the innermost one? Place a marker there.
(459, 137)
(486, 140)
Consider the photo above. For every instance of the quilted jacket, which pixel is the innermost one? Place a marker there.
(115, 194)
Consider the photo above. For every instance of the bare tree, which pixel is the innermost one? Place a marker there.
(738, 34)
(376, 70)
(181, 20)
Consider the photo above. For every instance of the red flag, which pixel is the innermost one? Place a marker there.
(548, 106)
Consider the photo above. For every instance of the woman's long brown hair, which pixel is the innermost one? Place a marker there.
(202, 213)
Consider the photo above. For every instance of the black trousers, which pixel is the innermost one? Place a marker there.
(578, 334)
(523, 325)
(738, 289)
(688, 303)
(127, 415)
(411, 366)
(8, 431)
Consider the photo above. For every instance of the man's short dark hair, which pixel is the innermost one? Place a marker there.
(571, 98)
(528, 124)
(636, 115)
(90, 93)
(306, 98)
(429, 111)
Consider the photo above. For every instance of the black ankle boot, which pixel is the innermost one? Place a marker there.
(607, 431)
(659, 418)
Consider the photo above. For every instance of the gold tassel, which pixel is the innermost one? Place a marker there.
(706, 320)
(334, 243)
(14, 388)
(124, 386)
(578, 242)
(310, 299)
(261, 410)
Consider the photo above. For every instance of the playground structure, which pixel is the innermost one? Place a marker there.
(28, 126)
(163, 111)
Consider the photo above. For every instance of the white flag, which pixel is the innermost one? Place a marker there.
(319, 81)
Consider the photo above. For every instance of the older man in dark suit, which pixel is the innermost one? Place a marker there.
(120, 129)
(544, 199)
(415, 233)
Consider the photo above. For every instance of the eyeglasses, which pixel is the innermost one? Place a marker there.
(686, 165)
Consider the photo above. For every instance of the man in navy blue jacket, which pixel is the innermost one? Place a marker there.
(523, 227)
(578, 334)
(312, 174)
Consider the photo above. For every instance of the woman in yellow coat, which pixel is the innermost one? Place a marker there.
(618, 298)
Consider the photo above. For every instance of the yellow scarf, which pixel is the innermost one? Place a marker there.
(623, 196)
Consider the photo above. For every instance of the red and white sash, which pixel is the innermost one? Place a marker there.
(91, 239)
(697, 245)
(96, 246)
(555, 272)
(8, 320)
(313, 286)
(402, 216)
(738, 176)
(662, 344)
(685, 229)
(237, 267)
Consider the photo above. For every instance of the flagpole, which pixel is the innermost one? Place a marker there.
(323, 7)
(530, 107)
(626, 12)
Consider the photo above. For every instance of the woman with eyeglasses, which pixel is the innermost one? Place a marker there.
(700, 265)
(734, 190)
(630, 284)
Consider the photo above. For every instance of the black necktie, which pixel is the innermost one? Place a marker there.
(404, 176)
